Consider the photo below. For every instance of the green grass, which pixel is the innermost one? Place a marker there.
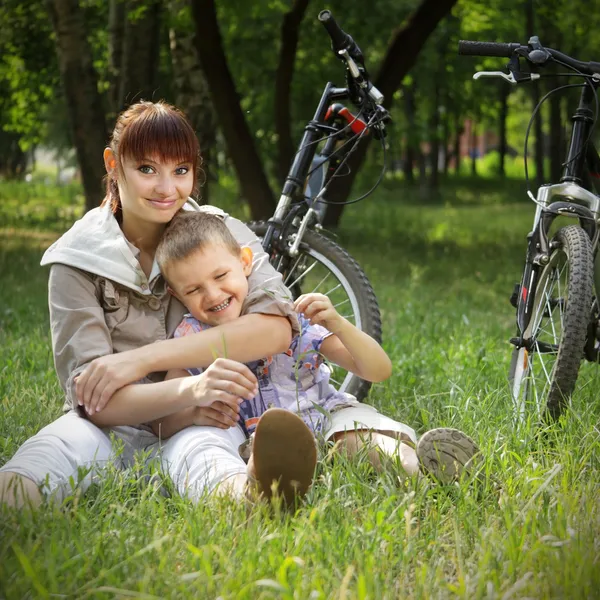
(443, 274)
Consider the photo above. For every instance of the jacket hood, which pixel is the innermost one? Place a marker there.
(96, 244)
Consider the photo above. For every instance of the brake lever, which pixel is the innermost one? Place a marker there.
(510, 77)
(358, 74)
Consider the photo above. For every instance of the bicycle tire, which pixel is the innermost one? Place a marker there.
(533, 378)
(355, 284)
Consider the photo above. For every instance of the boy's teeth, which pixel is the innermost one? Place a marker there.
(220, 306)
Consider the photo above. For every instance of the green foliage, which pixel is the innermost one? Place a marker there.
(443, 275)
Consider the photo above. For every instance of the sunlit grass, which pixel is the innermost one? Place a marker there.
(443, 274)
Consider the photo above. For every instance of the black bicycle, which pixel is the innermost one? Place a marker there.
(294, 237)
(557, 298)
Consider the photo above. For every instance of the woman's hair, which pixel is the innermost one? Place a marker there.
(191, 231)
(153, 130)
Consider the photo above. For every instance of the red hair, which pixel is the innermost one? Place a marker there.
(154, 130)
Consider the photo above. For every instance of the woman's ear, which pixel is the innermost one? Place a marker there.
(110, 161)
(246, 257)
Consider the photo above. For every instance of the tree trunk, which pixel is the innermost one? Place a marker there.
(556, 133)
(396, 64)
(458, 132)
(409, 109)
(141, 51)
(79, 79)
(502, 141)
(192, 96)
(473, 148)
(445, 143)
(283, 83)
(535, 98)
(434, 139)
(240, 144)
(116, 29)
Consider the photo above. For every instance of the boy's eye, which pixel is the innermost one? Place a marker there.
(221, 275)
(146, 169)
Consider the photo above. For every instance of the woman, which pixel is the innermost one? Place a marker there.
(106, 295)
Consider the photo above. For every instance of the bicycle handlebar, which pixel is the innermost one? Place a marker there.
(340, 40)
(535, 55)
(469, 48)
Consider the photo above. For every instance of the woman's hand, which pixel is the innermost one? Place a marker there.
(97, 383)
(218, 415)
(319, 310)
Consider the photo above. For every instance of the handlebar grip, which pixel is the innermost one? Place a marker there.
(469, 48)
(337, 34)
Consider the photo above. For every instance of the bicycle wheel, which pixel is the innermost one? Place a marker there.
(324, 267)
(543, 375)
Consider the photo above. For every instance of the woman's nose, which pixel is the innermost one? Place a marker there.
(165, 185)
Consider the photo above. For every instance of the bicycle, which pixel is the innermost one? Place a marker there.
(294, 236)
(556, 300)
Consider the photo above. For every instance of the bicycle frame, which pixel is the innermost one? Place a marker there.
(302, 163)
(568, 198)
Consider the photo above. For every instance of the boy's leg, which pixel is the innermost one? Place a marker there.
(204, 460)
(284, 455)
(443, 453)
(69, 449)
(377, 446)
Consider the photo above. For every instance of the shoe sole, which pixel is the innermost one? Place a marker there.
(285, 455)
(443, 453)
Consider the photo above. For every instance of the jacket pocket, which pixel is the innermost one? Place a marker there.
(114, 302)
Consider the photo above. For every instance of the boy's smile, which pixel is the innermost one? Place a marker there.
(212, 283)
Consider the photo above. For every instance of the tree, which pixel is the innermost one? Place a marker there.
(396, 64)
(80, 82)
(283, 82)
(253, 181)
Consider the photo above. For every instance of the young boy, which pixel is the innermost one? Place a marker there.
(207, 271)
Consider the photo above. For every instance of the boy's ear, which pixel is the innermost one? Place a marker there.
(246, 257)
(172, 292)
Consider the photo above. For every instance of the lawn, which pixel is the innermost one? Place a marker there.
(443, 273)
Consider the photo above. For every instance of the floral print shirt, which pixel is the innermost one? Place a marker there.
(297, 380)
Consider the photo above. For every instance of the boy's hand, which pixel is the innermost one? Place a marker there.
(97, 383)
(319, 310)
(226, 382)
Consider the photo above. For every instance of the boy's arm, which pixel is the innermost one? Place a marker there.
(349, 347)
(357, 352)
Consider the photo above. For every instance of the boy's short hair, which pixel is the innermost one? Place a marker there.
(190, 231)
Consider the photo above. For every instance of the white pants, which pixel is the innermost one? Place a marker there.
(72, 450)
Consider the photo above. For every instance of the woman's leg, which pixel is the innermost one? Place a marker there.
(69, 449)
(204, 460)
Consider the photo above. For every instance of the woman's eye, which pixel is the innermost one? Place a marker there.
(182, 170)
(146, 170)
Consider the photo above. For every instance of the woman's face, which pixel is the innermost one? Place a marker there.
(152, 190)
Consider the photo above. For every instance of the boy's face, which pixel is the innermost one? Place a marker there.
(212, 283)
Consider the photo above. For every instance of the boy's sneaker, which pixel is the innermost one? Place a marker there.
(443, 453)
(284, 456)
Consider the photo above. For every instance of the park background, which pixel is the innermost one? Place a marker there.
(442, 240)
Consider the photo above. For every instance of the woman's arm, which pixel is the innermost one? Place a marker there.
(248, 338)
(224, 381)
(218, 415)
